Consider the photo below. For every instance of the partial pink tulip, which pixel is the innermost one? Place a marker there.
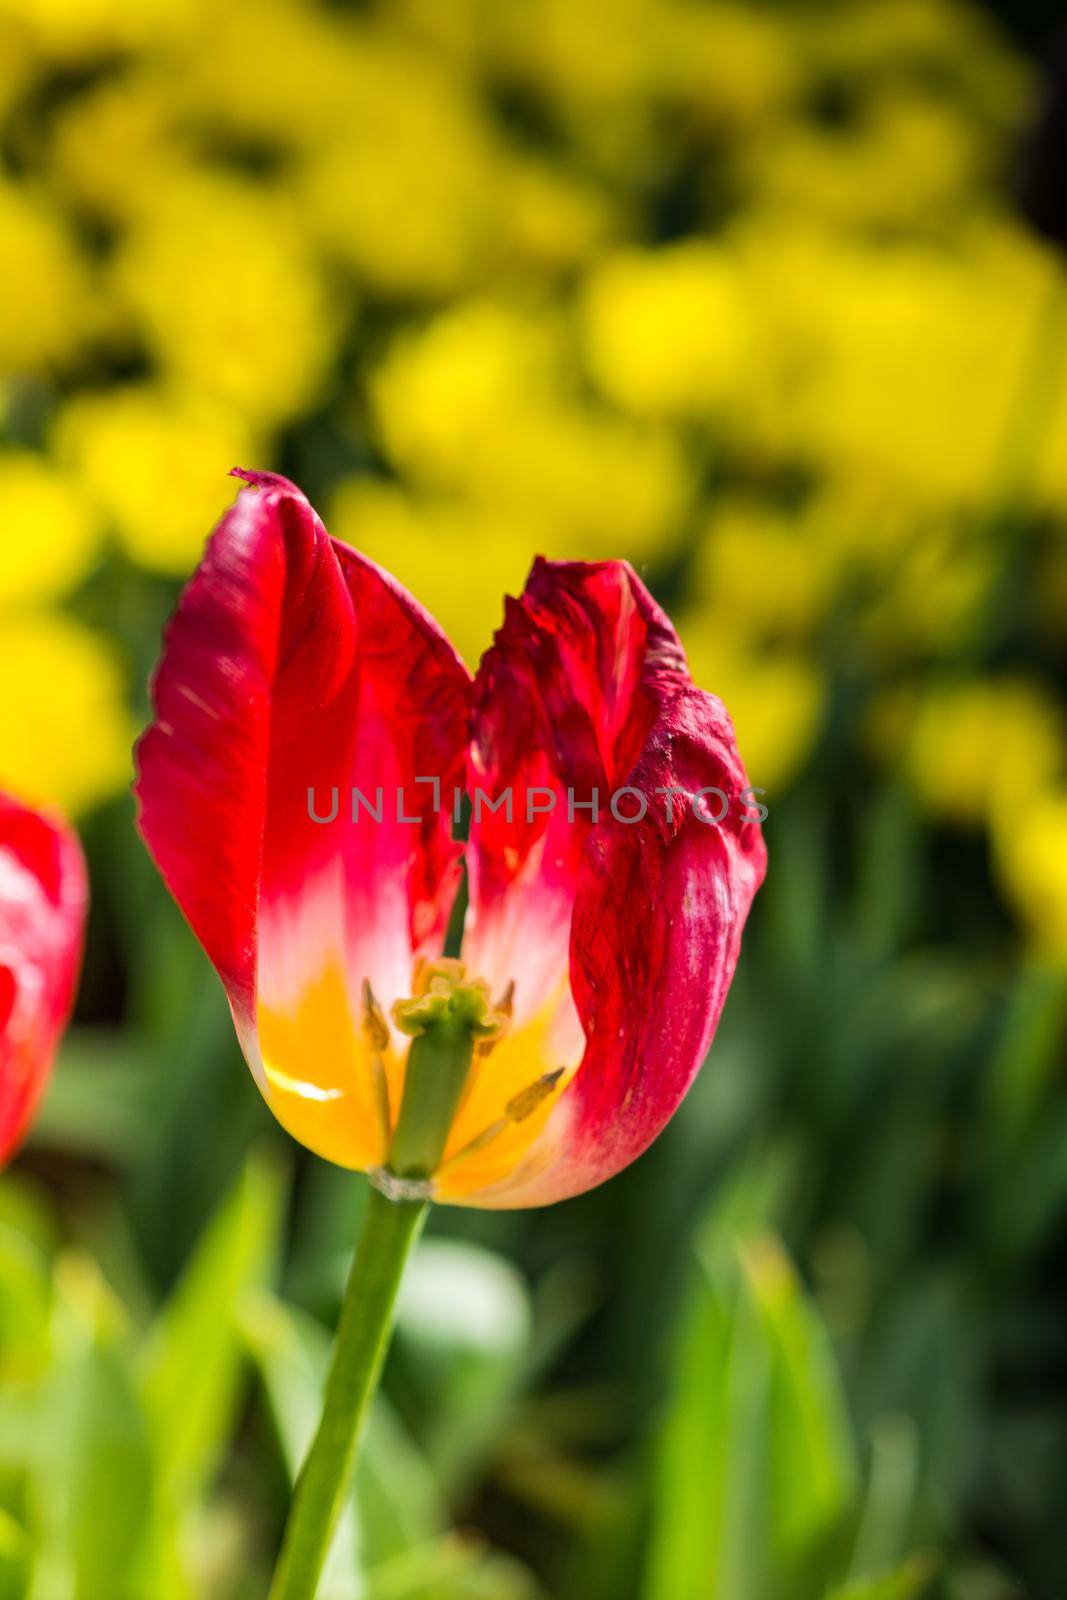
(43, 901)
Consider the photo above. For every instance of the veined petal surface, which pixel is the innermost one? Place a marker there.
(619, 927)
(301, 695)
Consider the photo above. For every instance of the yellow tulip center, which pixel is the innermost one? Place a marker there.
(454, 1116)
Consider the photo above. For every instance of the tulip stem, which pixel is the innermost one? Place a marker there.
(390, 1228)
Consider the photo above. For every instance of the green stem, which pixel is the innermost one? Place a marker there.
(390, 1228)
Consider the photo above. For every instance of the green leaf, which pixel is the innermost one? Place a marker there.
(25, 1343)
(892, 1483)
(753, 1196)
(14, 1558)
(192, 1358)
(451, 1569)
(25, 1300)
(100, 1097)
(889, 886)
(755, 1467)
(813, 1466)
(906, 1583)
(1026, 1059)
(28, 1210)
(91, 1467)
(708, 1536)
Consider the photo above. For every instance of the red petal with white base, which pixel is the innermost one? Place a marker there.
(629, 928)
(563, 703)
(295, 672)
(43, 900)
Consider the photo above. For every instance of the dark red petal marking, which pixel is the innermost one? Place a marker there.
(587, 688)
(563, 703)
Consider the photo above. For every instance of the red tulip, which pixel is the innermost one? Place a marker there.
(296, 792)
(43, 899)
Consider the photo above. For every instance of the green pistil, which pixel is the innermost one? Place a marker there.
(447, 1017)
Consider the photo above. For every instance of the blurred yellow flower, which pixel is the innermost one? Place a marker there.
(16, 59)
(919, 581)
(1030, 855)
(934, 604)
(469, 372)
(736, 62)
(911, 582)
(949, 42)
(155, 466)
(114, 144)
(670, 332)
(70, 29)
(722, 62)
(876, 348)
(410, 189)
(977, 746)
(50, 537)
(227, 295)
(774, 697)
(551, 218)
(865, 352)
(913, 159)
(563, 48)
(483, 403)
(274, 75)
(65, 729)
(596, 485)
(46, 303)
(765, 571)
(457, 559)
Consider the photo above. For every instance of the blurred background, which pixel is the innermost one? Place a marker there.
(770, 299)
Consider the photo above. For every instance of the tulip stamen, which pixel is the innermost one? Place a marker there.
(526, 1102)
(374, 1019)
(518, 1108)
(376, 1029)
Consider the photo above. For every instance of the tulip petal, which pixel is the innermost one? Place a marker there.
(43, 899)
(563, 703)
(202, 764)
(296, 673)
(633, 925)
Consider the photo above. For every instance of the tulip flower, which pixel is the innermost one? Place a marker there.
(43, 899)
(298, 790)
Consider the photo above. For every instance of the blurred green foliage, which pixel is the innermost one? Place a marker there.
(633, 1394)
